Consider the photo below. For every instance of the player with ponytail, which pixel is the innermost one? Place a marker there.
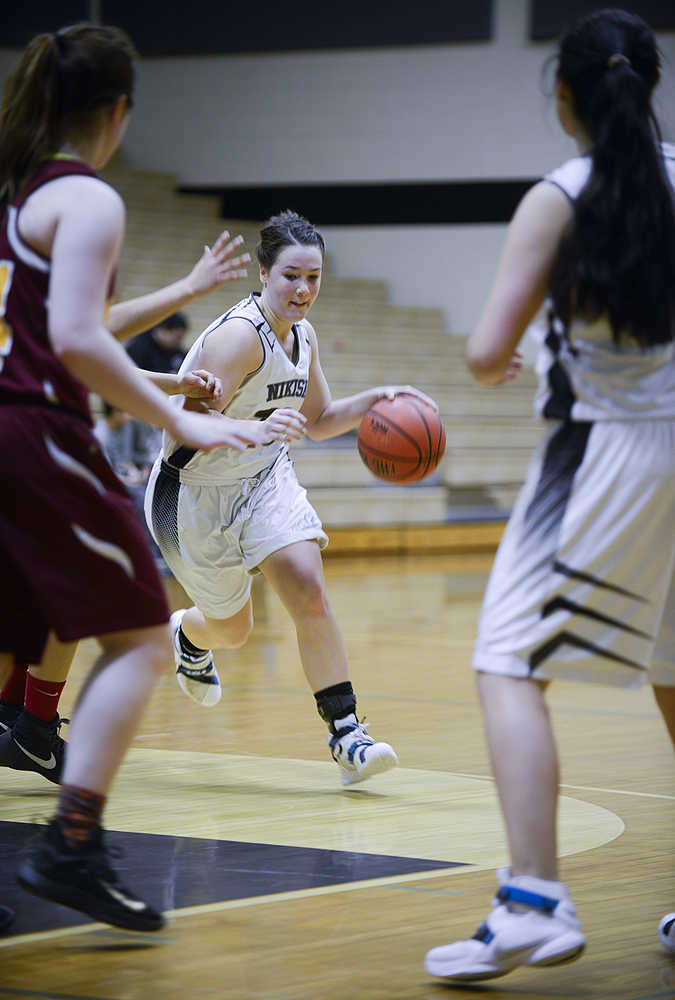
(581, 586)
(74, 561)
(618, 257)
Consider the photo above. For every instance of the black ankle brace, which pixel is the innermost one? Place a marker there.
(335, 702)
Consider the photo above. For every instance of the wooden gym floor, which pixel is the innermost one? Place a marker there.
(281, 885)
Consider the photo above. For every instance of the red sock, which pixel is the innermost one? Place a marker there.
(14, 690)
(42, 697)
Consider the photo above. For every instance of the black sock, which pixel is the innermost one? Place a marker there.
(335, 702)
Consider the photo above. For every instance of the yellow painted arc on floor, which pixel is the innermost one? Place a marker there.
(433, 815)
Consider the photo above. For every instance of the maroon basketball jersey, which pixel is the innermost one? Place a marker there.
(30, 371)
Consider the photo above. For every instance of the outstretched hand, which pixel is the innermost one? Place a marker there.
(218, 265)
(206, 431)
(390, 391)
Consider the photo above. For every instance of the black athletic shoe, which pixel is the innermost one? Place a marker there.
(84, 881)
(8, 715)
(33, 745)
(6, 919)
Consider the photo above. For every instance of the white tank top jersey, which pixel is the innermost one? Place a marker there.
(582, 375)
(280, 382)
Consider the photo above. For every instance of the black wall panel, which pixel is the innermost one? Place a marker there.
(428, 203)
(20, 22)
(206, 27)
(214, 27)
(549, 18)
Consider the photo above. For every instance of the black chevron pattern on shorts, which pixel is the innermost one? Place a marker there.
(549, 647)
(564, 604)
(576, 574)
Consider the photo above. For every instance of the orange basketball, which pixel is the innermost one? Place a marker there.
(401, 440)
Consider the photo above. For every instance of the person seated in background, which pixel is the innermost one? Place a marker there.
(122, 446)
(127, 446)
(157, 350)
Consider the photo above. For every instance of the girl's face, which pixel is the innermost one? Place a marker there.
(292, 283)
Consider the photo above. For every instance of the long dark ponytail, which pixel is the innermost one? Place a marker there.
(59, 84)
(618, 257)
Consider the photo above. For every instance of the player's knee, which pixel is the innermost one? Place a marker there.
(310, 598)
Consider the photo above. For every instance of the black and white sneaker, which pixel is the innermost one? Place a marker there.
(84, 881)
(8, 715)
(33, 745)
(196, 675)
(358, 755)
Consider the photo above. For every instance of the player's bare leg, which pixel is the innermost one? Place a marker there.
(525, 765)
(296, 574)
(218, 633)
(533, 921)
(69, 864)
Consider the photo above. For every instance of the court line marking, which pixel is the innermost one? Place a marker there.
(235, 904)
(577, 788)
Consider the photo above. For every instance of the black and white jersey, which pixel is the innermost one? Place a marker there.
(582, 375)
(279, 382)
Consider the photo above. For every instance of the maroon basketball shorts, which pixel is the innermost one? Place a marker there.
(73, 554)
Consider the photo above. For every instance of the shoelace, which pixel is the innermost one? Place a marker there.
(361, 729)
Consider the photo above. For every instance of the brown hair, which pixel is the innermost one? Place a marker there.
(284, 230)
(59, 84)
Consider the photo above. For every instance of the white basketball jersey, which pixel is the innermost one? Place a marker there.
(280, 382)
(582, 374)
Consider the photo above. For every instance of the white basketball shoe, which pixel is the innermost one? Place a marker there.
(196, 675)
(358, 755)
(667, 932)
(534, 923)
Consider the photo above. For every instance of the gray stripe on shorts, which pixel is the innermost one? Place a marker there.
(165, 509)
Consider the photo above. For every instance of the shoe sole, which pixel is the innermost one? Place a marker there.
(492, 973)
(561, 959)
(378, 765)
(30, 879)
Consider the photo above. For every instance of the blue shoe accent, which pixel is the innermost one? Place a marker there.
(509, 893)
(483, 934)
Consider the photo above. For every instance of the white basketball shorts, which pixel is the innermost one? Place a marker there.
(581, 586)
(213, 537)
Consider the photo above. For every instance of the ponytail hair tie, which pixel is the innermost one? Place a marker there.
(617, 58)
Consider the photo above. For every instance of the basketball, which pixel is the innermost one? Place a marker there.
(401, 440)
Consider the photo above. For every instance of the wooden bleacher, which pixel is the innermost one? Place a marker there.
(364, 341)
